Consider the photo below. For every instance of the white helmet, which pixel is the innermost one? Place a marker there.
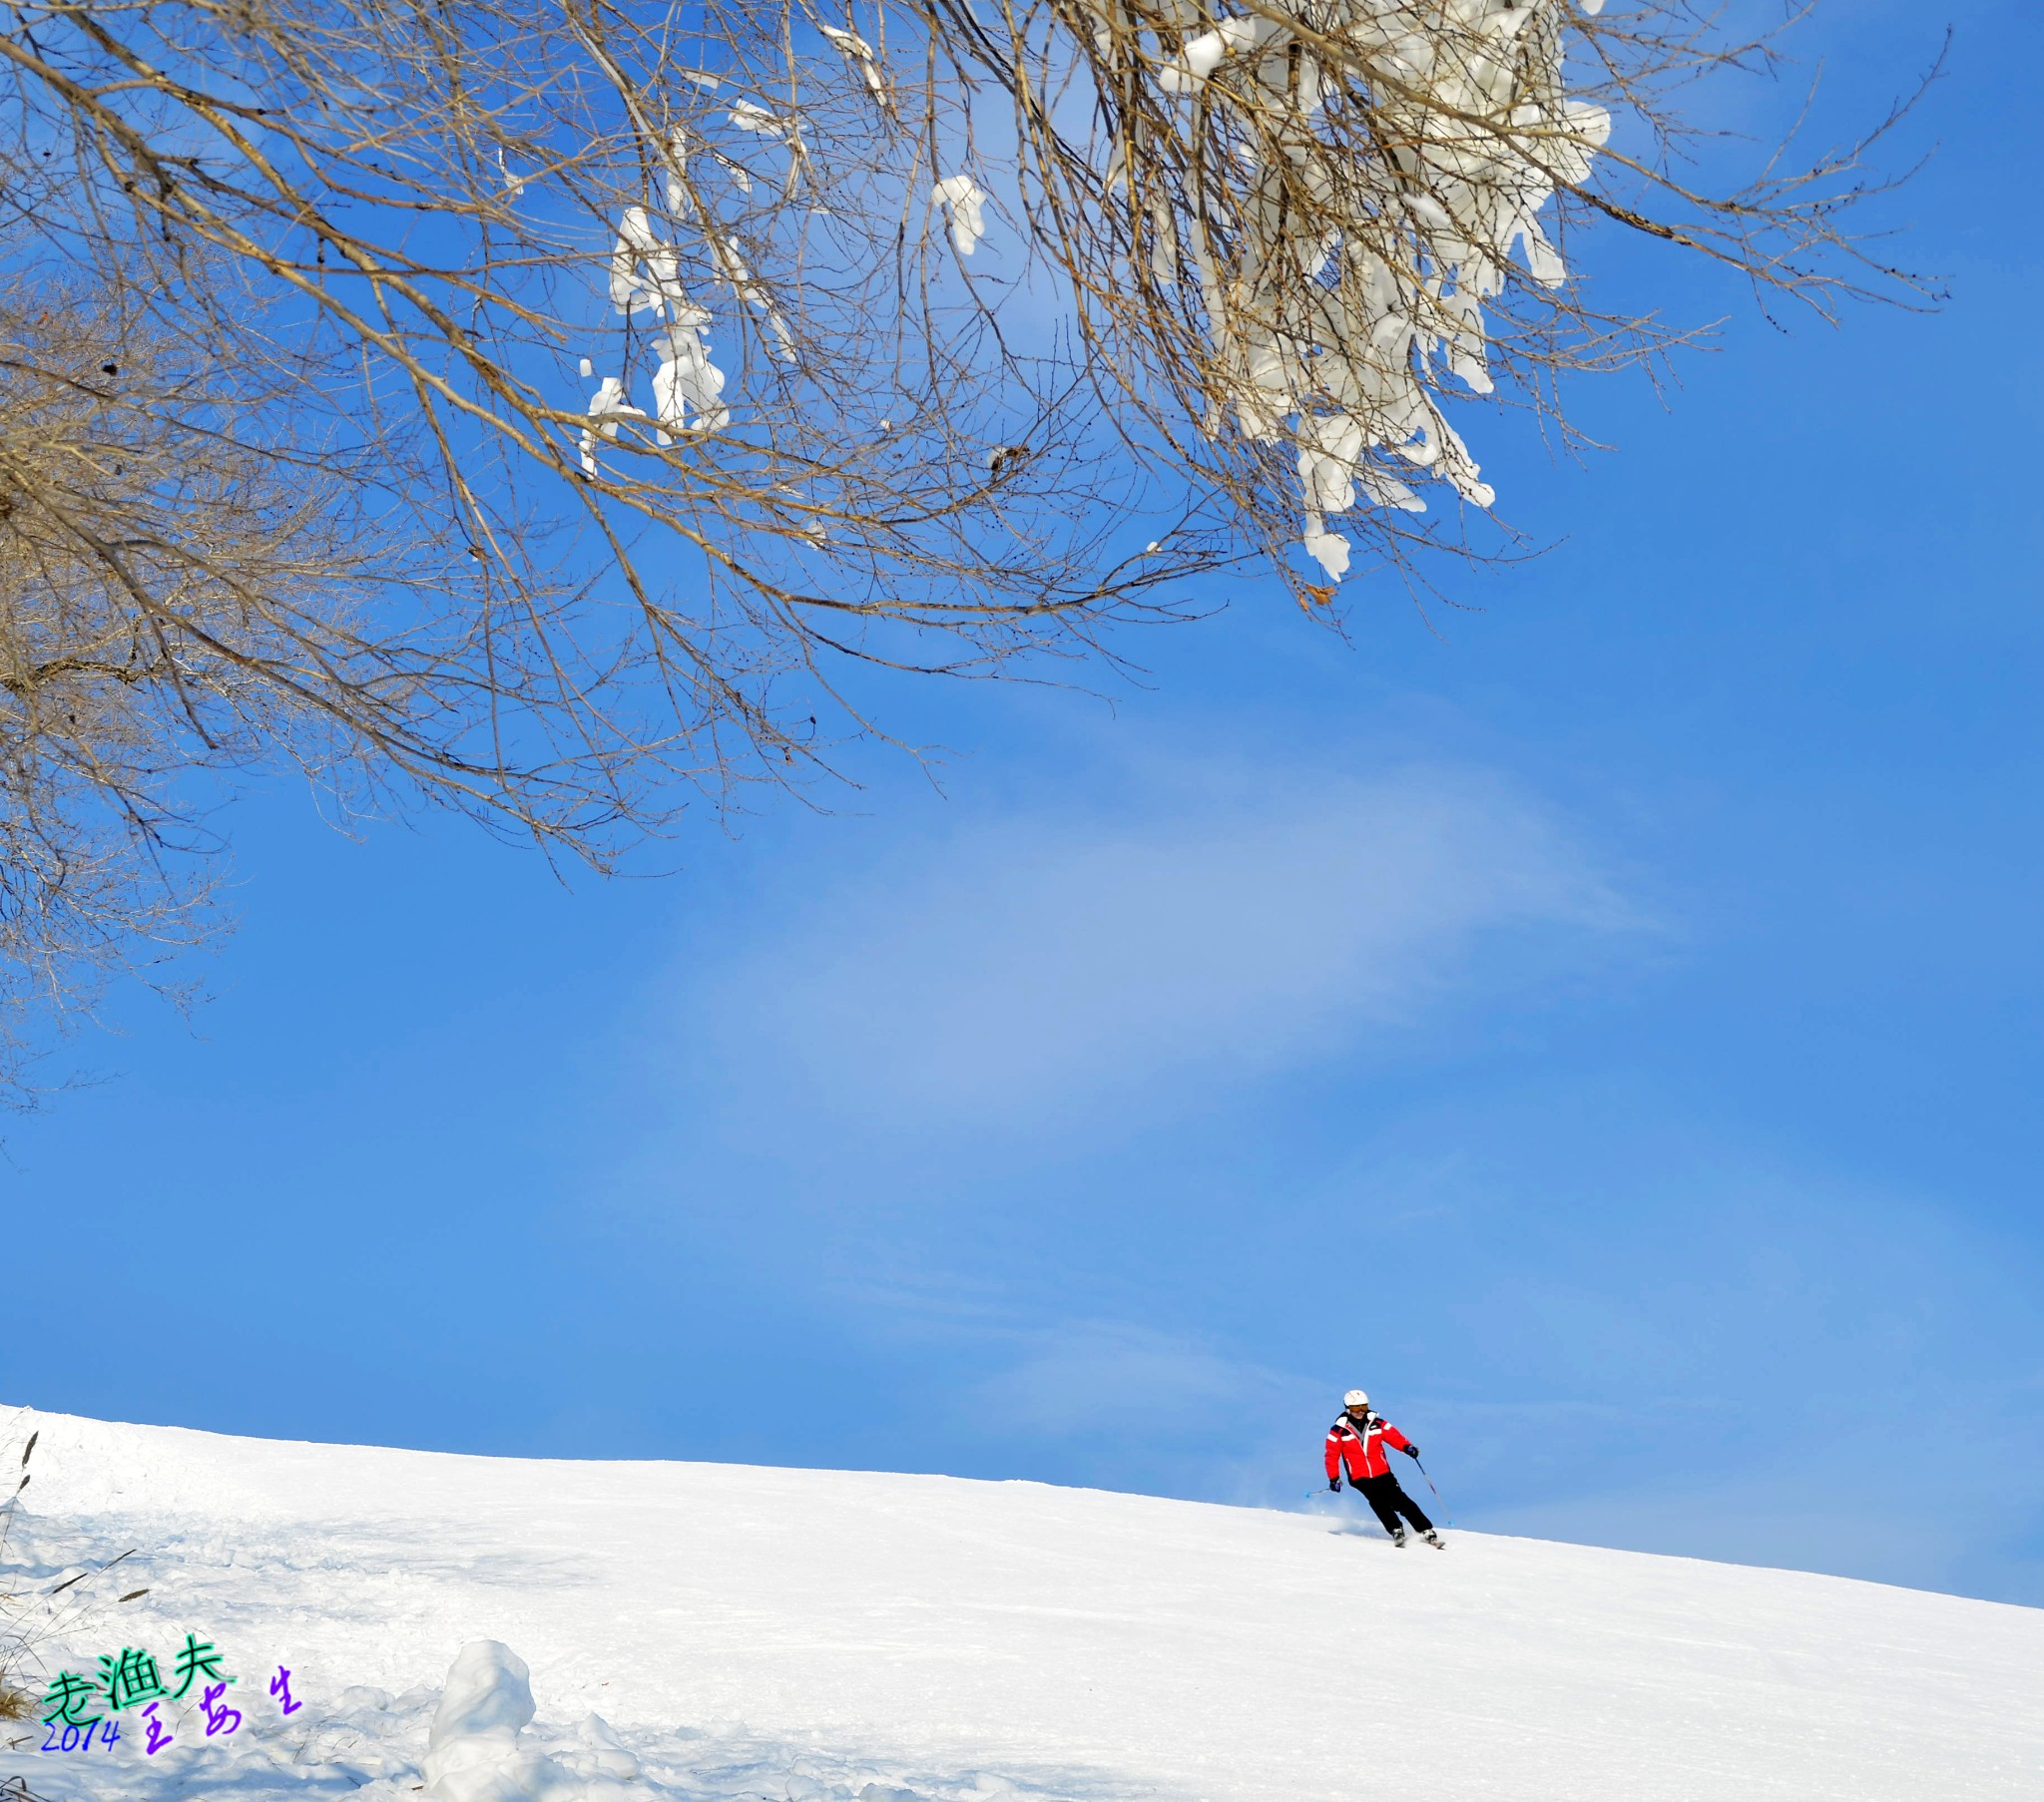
(1355, 1400)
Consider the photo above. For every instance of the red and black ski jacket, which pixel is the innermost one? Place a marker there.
(1359, 1447)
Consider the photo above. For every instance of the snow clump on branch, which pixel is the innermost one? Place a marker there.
(1339, 283)
(964, 204)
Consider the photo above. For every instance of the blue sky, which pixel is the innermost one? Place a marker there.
(1604, 1024)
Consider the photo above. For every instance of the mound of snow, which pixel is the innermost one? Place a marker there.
(718, 1633)
(473, 1752)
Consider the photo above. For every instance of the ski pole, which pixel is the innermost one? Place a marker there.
(1437, 1496)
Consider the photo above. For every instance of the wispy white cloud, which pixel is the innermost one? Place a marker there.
(1233, 918)
(1110, 1376)
(1877, 1503)
(1165, 1410)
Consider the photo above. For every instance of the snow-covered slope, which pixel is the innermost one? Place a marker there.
(809, 1635)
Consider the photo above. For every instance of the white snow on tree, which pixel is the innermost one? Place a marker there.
(1357, 283)
(1143, 290)
(1343, 187)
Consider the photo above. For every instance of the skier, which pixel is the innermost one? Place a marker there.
(1356, 1443)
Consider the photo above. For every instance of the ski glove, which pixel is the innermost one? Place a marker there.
(1334, 1482)
(1413, 1452)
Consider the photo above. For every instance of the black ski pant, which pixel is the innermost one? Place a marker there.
(1387, 1502)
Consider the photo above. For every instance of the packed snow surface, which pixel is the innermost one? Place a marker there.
(473, 1630)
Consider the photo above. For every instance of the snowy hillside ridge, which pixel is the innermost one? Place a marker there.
(475, 1630)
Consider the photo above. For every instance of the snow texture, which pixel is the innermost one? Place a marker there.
(720, 1633)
